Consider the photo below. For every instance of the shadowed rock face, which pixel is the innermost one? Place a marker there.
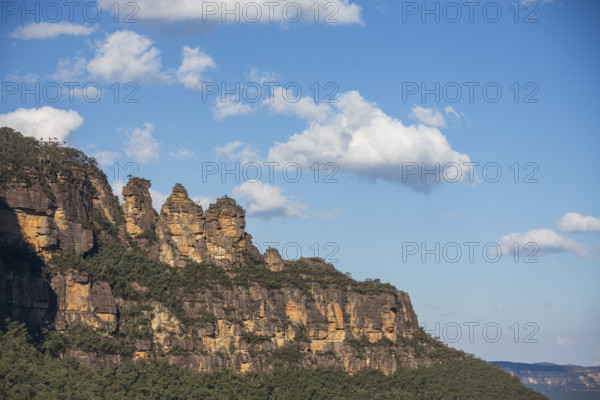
(235, 325)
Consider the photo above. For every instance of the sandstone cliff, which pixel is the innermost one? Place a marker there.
(52, 197)
(185, 284)
(183, 231)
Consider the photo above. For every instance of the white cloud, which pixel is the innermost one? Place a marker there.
(182, 154)
(342, 11)
(193, 64)
(204, 201)
(239, 151)
(574, 222)
(361, 139)
(266, 201)
(142, 146)
(305, 108)
(228, 108)
(546, 240)
(43, 123)
(70, 69)
(261, 76)
(451, 112)
(105, 158)
(429, 117)
(46, 30)
(125, 56)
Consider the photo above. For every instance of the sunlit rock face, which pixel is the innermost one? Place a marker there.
(140, 217)
(181, 230)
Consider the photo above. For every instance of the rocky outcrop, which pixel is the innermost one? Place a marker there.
(181, 230)
(186, 234)
(273, 259)
(140, 217)
(226, 238)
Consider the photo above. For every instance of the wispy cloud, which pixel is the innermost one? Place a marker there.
(47, 30)
(547, 242)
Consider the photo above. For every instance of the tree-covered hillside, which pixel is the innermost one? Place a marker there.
(28, 370)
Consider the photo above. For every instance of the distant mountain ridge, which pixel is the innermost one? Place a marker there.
(558, 382)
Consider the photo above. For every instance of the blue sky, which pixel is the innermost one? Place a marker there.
(162, 114)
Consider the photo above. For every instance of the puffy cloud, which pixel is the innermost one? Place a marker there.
(43, 123)
(125, 56)
(361, 139)
(228, 108)
(429, 117)
(305, 108)
(46, 30)
(182, 154)
(547, 241)
(330, 11)
(193, 64)
(141, 145)
(574, 222)
(264, 200)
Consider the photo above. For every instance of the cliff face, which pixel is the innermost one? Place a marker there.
(28, 217)
(51, 198)
(224, 305)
